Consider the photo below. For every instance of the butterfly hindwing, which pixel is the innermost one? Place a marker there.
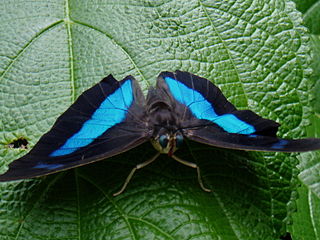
(104, 121)
(215, 137)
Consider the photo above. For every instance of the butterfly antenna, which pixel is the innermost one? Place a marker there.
(193, 165)
(139, 166)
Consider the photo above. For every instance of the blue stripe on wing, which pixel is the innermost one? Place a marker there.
(280, 144)
(202, 109)
(111, 111)
(48, 166)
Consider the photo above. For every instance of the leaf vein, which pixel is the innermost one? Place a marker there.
(25, 47)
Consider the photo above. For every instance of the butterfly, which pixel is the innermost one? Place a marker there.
(114, 116)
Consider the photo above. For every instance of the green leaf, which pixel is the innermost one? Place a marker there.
(315, 44)
(256, 51)
(306, 223)
(307, 218)
(305, 5)
(312, 16)
(310, 162)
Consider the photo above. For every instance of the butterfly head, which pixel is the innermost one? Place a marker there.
(167, 142)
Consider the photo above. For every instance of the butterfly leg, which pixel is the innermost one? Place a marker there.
(193, 165)
(139, 166)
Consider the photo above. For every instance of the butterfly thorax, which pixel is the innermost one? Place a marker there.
(166, 137)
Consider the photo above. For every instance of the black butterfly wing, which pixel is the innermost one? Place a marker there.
(105, 120)
(211, 119)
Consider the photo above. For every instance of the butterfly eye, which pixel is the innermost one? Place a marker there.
(163, 140)
(179, 140)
